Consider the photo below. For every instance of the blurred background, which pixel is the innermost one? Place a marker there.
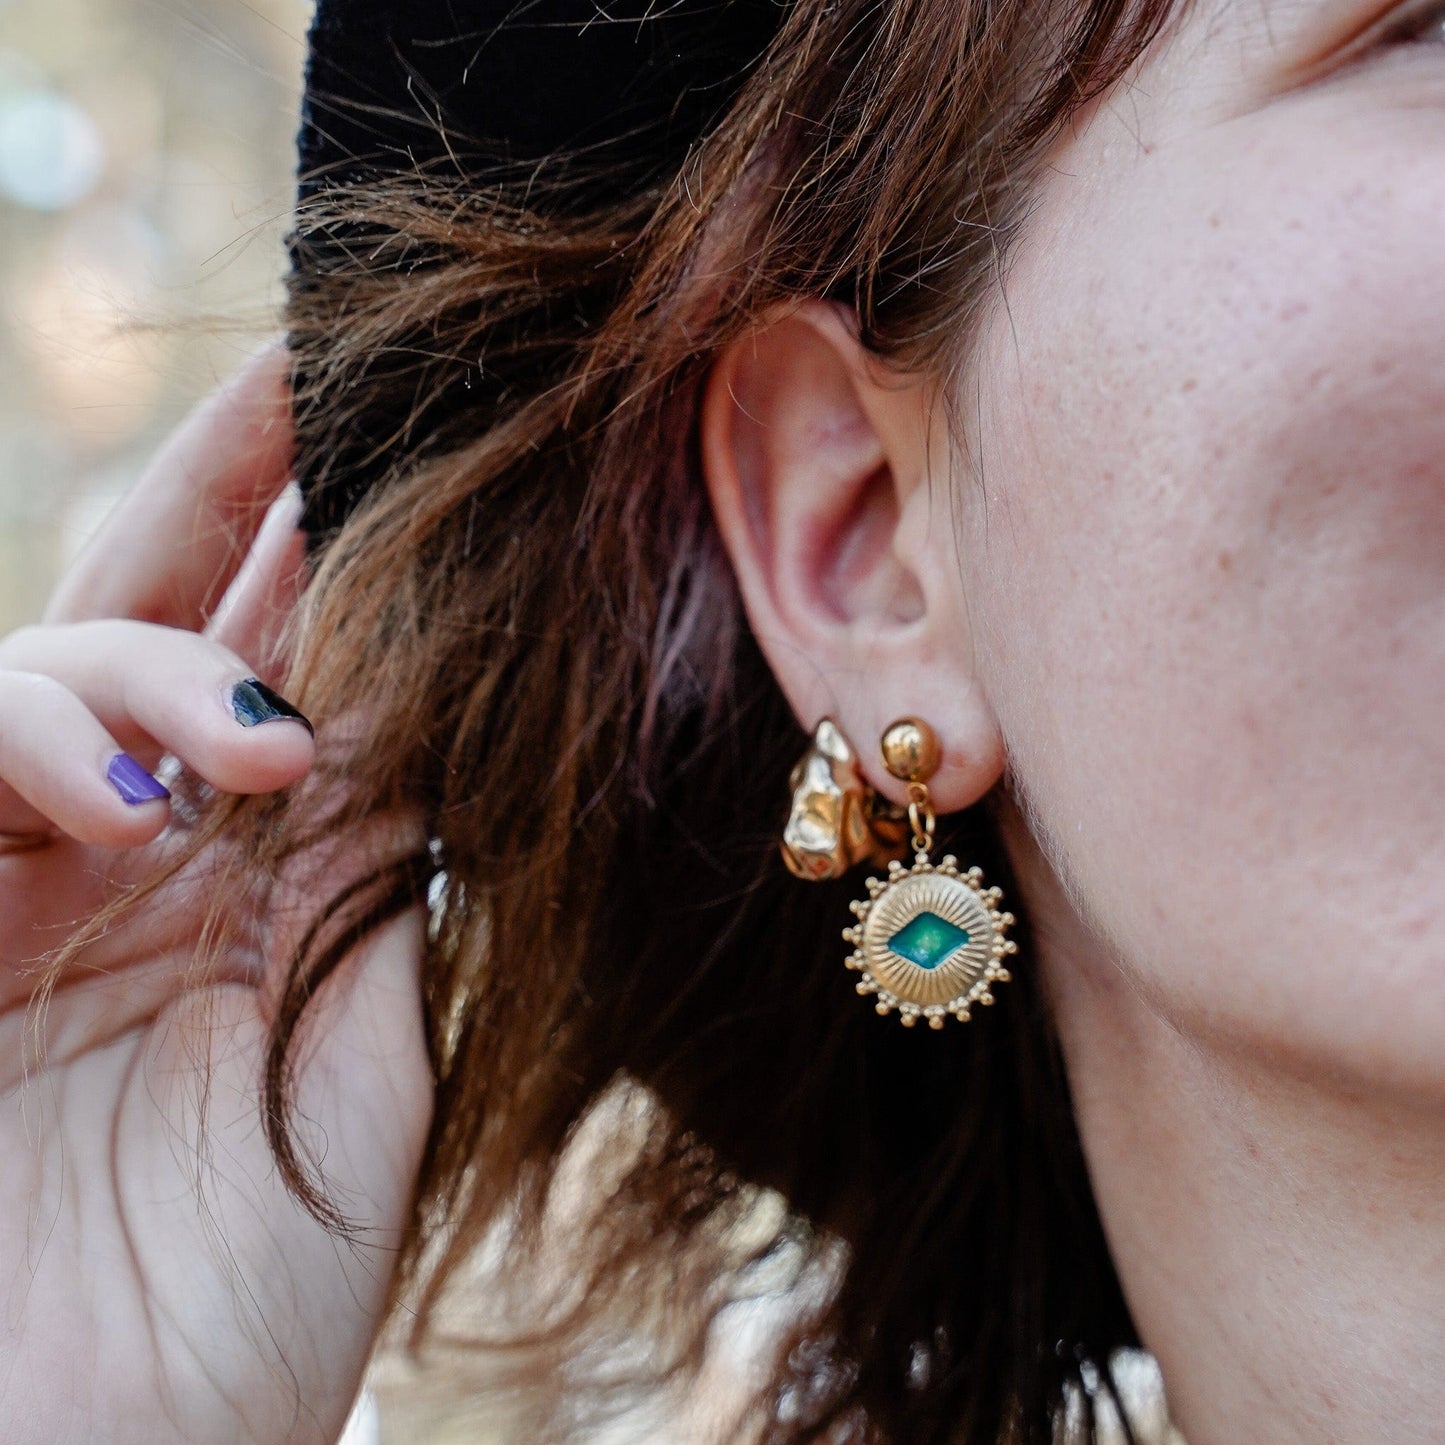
(146, 154)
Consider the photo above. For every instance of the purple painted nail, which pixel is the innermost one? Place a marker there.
(132, 781)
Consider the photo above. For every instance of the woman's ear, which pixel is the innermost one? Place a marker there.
(818, 464)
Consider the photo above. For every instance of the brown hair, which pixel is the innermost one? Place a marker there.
(531, 634)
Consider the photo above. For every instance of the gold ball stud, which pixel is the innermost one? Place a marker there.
(911, 751)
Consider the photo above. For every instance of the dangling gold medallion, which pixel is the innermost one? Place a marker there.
(929, 941)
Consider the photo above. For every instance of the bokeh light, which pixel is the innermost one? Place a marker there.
(146, 156)
(51, 154)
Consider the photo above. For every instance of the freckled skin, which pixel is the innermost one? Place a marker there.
(1213, 579)
(1190, 611)
(1206, 599)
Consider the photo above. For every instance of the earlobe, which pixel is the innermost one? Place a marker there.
(816, 463)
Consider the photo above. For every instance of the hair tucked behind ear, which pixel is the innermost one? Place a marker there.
(526, 630)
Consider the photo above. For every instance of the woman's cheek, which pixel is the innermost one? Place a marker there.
(1216, 568)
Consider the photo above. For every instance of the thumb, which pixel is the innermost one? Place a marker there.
(362, 1077)
(363, 1102)
(252, 617)
(306, 1301)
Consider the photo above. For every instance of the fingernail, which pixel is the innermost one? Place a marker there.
(253, 702)
(132, 781)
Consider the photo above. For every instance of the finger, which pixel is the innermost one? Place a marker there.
(157, 689)
(173, 543)
(58, 761)
(47, 892)
(22, 827)
(252, 617)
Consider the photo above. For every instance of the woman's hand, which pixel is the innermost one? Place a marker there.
(158, 1282)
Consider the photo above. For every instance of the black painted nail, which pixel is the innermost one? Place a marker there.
(253, 702)
(132, 781)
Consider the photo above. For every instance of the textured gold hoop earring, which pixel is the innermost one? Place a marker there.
(929, 941)
(835, 820)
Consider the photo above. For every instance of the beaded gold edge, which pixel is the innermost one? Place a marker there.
(957, 903)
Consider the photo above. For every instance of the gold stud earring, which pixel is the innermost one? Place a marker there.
(929, 941)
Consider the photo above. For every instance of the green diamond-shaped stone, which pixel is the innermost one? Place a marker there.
(927, 940)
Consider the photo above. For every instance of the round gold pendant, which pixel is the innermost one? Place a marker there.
(929, 941)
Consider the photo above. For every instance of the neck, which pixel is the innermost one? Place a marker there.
(1280, 1238)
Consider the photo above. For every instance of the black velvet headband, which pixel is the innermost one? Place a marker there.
(599, 102)
(396, 83)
